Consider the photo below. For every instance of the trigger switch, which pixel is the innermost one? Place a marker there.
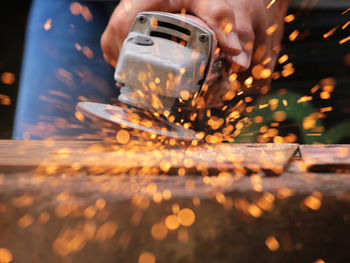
(143, 41)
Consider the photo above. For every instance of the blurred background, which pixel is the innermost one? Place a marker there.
(13, 19)
(312, 77)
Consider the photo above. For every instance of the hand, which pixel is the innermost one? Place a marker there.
(260, 49)
(217, 14)
(239, 24)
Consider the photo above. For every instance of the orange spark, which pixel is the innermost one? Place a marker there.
(25, 221)
(5, 255)
(345, 25)
(88, 52)
(172, 222)
(313, 201)
(304, 99)
(314, 134)
(289, 18)
(283, 59)
(5, 100)
(123, 136)
(106, 231)
(86, 13)
(78, 47)
(186, 217)
(147, 257)
(44, 217)
(345, 11)
(48, 24)
(76, 8)
(330, 32)
(272, 29)
(228, 28)
(327, 109)
(270, 4)
(325, 95)
(8, 78)
(344, 40)
(294, 35)
(159, 231)
(272, 243)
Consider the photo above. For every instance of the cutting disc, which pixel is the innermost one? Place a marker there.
(109, 115)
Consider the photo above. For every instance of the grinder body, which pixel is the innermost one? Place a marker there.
(166, 58)
(164, 63)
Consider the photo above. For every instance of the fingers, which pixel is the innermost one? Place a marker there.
(121, 21)
(245, 32)
(217, 14)
(221, 18)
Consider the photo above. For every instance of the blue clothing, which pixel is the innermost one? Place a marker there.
(63, 64)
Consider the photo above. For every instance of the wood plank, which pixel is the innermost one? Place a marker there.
(138, 158)
(326, 158)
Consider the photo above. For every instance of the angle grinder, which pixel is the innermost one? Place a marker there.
(164, 64)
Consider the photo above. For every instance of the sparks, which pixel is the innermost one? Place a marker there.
(344, 40)
(48, 24)
(330, 32)
(270, 4)
(345, 25)
(345, 11)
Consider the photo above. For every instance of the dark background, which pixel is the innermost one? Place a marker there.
(319, 59)
(13, 19)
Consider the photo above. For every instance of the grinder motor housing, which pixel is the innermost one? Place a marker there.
(166, 57)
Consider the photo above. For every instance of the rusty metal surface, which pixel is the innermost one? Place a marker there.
(236, 219)
(326, 158)
(106, 158)
(47, 216)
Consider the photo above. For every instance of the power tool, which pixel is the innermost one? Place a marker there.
(166, 62)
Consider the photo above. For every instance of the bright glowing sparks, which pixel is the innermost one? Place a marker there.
(228, 28)
(272, 243)
(293, 36)
(8, 78)
(123, 136)
(186, 217)
(5, 255)
(283, 59)
(270, 4)
(48, 24)
(344, 40)
(330, 32)
(172, 222)
(159, 231)
(147, 257)
(25, 221)
(314, 201)
(272, 29)
(289, 18)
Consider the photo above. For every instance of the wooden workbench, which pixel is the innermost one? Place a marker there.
(92, 202)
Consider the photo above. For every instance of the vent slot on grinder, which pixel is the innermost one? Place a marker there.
(174, 27)
(169, 37)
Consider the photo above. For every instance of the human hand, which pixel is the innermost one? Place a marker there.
(217, 14)
(239, 24)
(259, 26)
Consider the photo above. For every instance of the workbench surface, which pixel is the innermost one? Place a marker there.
(60, 202)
